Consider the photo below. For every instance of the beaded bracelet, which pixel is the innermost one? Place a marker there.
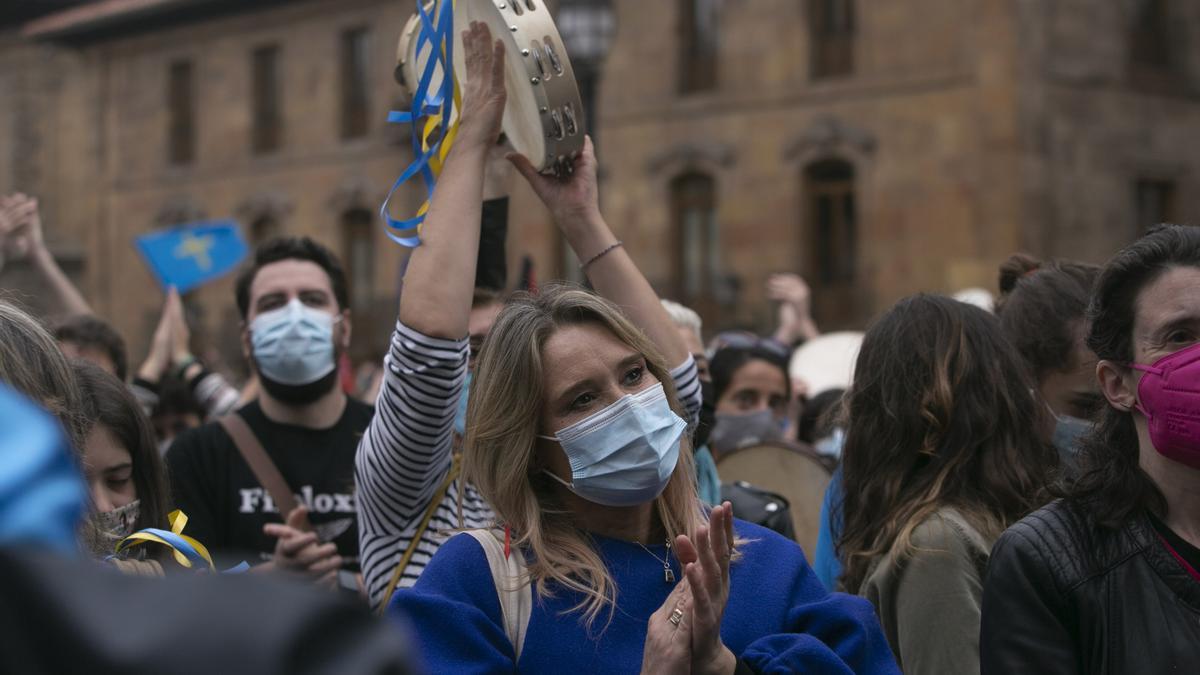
(601, 254)
(185, 363)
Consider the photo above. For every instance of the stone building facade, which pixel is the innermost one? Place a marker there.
(878, 148)
(883, 148)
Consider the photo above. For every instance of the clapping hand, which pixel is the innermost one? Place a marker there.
(20, 226)
(795, 307)
(668, 646)
(181, 351)
(298, 550)
(169, 335)
(706, 567)
(684, 634)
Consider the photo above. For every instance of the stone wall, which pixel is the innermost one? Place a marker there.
(1089, 133)
(975, 128)
(927, 120)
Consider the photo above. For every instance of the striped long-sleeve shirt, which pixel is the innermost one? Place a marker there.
(406, 452)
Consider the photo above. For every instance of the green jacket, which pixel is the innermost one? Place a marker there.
(929, 602)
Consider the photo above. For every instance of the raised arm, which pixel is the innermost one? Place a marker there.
(21, 234)
(441, 272)
(405, 453)
(795, 309)
(574, 204)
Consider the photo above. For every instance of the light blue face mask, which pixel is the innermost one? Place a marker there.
(293, 345)
(831, 445)
(1068, 432)
(623, 455)
(460, 415)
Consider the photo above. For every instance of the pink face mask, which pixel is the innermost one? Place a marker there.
(1169, 397)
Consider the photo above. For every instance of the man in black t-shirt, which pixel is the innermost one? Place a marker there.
(296, 324)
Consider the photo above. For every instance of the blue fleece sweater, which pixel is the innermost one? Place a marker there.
(779, 618)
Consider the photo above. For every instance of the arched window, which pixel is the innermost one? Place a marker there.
(356, 79)
(831, 38)
(267, 121)
(698, 45)
(831, 214)
(358, 255)
(1151, 60)
(697, 261)
(181, 106)
(1154, 203)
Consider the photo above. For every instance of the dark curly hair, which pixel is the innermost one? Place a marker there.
(1042, 306)
(1111, 482)
(292, 248)
(940, 415)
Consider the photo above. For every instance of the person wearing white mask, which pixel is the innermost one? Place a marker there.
(576, 440)
(294, 305)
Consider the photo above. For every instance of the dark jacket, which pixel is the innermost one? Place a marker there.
(1064, 595)
(72, 616)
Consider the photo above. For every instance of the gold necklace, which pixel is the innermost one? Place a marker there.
(668, 573)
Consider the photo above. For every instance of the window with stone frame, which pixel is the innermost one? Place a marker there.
(698, 35)
(181, 114)
(267, 131)
(1154, 203)
(358, 254)
(697, 250)
(831, 38)
(1152, 58)
(831, 244)
(355, 100)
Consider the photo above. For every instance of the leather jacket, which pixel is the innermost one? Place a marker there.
(1065, 595)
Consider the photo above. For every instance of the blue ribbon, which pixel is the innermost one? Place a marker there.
(190, 552)
(440, 38)
(180, 545)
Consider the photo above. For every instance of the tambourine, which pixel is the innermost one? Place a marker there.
(544, 116)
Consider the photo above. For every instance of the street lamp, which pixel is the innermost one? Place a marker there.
(587, 28)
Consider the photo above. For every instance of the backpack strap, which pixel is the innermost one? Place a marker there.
(512, 585)
(451, 476)
(260, 464)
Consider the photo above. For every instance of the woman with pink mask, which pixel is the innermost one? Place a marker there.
(1105, 579)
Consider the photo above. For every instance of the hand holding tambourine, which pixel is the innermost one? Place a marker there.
(484, 95)
(571, 193)
(543, 115)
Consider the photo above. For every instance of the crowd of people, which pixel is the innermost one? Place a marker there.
(531, 480)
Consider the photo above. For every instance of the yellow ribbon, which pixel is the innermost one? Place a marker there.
(434, 122)
(178, 520)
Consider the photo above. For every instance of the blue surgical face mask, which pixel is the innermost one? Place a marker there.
(293, 345)
(831, 445)
(1068, 431)
(460, 415)
(623, 455)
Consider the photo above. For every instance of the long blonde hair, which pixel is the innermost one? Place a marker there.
(502, 422)
(31, 363)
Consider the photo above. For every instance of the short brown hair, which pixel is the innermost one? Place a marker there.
(88, 331)
(485, 297)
